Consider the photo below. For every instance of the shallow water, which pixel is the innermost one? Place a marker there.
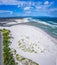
(48, 26)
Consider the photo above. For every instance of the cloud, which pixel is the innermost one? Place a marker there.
(38, 7)
(44, 7)
(53, 9)
(26, 4)
(27, 8)
(19, 3)
(6, 11)
(15, 2)
(46, 2)
(10, 2)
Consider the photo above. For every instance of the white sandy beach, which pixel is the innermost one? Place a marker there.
(41, 42)
(33, 38)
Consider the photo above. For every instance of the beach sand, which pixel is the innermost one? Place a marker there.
(44, 50)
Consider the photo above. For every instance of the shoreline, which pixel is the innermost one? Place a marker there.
(23, 30)
(32, 24)
(31, 31)
(26, 22)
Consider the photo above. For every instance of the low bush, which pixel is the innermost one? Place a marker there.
(7, 55)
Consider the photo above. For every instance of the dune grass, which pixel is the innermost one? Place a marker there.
(7, 55)
(23, 60)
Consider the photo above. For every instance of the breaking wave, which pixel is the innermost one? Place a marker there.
(47, 25)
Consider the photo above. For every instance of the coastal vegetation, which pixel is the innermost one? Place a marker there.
(22, 59)
(7, 55)
(26, 46)
(29, 48)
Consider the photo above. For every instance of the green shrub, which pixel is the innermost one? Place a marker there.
(7, 55)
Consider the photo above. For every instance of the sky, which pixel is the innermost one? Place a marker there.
(17, 8)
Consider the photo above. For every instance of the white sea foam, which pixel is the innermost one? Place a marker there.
(45, 23)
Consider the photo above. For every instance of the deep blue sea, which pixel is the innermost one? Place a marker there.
(47, 24)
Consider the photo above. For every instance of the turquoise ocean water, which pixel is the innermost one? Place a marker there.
(47, 24)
